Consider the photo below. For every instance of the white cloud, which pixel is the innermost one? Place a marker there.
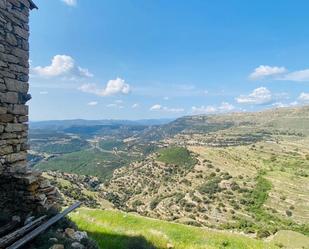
(43, 92)
(70, 2)
(113, 87)
(264, 71)
(92, 103)
(259, 96)
(61, 65)
(158, 107)
(85, 72)
(302, 75)
(304, 97)
(134, 106)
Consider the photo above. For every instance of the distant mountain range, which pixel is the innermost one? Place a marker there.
(64, 124)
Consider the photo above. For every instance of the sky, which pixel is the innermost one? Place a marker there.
(142, 59)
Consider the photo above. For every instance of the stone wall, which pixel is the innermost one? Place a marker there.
(21, 190)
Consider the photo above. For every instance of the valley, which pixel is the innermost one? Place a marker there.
(244, 173)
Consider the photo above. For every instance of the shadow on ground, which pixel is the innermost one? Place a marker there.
(115, 241)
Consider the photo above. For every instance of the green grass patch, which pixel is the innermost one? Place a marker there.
(176, 155)
(118, 230)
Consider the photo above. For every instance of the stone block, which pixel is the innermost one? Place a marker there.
(18, 109)
(3, 110)
(14, 157)
(21, 32)
(16, 86)
(9, 97)
(6, 118)
(11, 39)
(5, 150)
(11, 127)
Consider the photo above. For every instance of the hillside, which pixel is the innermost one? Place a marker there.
(117, 230)
(241, 172)
(250, 173)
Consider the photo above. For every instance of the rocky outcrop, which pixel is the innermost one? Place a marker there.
(21, 191)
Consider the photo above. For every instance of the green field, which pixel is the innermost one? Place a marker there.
(118, 230)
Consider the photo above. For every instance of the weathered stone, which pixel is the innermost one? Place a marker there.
(4, 150)
(20, 53)
(10, 127)
(23, 119)
(79, 235)
(3, 110)
(77, 245)
(5, 118)
(2, 87)
(14, 157)
(16, 86)
(18, 109)
(21, 32)
(11, 39)
(69, 232)
(9, 97)
(3, 4)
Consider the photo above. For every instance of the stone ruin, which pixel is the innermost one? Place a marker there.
(22, 191)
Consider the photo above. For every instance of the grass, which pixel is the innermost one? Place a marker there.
(118, 230)
(290, 239)
(176, 155)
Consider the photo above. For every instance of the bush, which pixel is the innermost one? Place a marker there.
(263, 233)
(211, 187)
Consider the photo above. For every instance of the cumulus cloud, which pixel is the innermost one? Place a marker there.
(113, 87)
(92, 103)
(70, 2)
(134, 106)
(158, 107)
(259, 96)
(264, 71)
(61, 65)
(304, 97)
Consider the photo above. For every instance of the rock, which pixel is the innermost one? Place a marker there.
(79, 235)
(69, 232)
(77, 245)
(57, 246)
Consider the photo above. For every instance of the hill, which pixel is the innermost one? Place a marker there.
(250, 173)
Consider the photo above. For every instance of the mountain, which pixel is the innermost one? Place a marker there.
(64, 124)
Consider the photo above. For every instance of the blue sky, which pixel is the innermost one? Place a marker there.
(137, 59)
